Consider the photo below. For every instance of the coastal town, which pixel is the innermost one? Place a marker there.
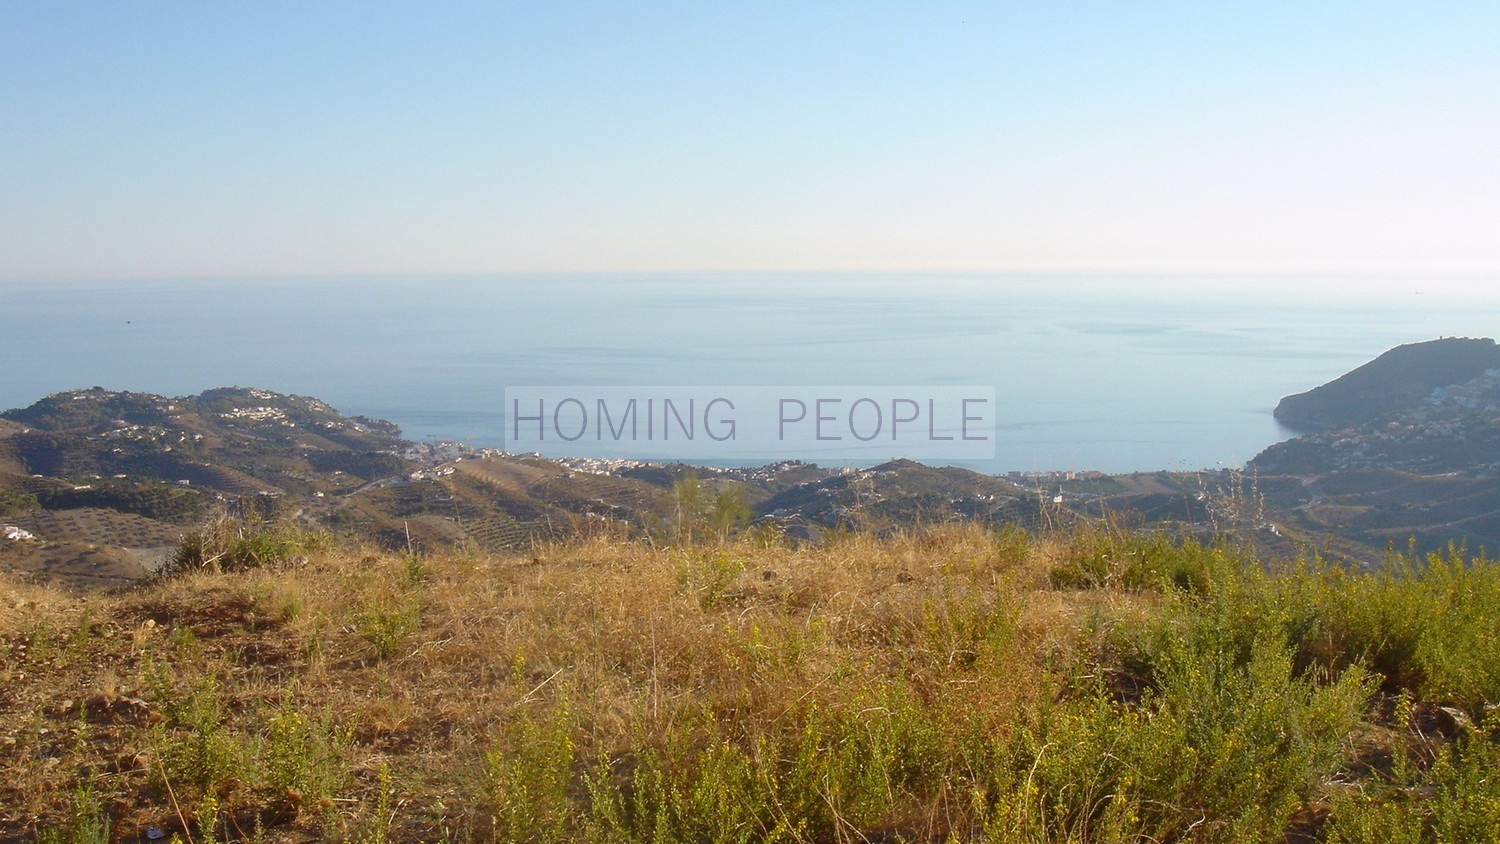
(96, 469)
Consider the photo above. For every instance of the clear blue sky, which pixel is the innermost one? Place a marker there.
(142, 139)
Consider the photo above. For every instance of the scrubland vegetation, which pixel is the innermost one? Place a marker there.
(954, 683)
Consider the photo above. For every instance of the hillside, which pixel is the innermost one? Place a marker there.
(1454, 429)
(106, 482)
(97, 487)
(1416, 459)
(1396, 381)
(250, 441)
(946, 684)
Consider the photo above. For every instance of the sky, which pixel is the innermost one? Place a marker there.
(188, 139)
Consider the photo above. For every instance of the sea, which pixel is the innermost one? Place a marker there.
(1111, 372)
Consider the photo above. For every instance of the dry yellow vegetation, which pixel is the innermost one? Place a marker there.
(947, 684)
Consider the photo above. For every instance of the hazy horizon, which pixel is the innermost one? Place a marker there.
(1264, 286)
(1085, 378)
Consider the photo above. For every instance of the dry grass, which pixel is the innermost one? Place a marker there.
(867, 689)
(428, 664)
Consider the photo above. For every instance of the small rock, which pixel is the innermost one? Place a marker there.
(1444, 721)
(132, 760)
(1459, 717)
(119, 710)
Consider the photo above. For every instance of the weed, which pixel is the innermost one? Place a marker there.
(527, 780)
(194, 746)
(230, 544)
(709, 574)
(387, 625)
(86, 821)
(300, 756)
(377, 828)
(208, 820)
(413, 573)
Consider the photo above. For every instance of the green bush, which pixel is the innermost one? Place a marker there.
(1427, 627)
(230, 544)
(299, 756)
(1456, 799)
(194, 746)
(388, 623)
(13, 502)
(1103, 557)
(527, 780)
(87, 822)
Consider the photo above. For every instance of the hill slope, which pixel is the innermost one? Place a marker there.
(1393, 382)
(953, 684)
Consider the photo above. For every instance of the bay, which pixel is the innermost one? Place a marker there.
(1110, 372)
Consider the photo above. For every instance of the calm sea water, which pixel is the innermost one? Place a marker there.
(1119, 374)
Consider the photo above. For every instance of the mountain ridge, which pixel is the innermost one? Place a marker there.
(1396, 380)
(107, 482)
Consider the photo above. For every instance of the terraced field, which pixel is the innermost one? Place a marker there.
(227, 479)
(100, 527)
(509, 475)
(582, 486)
(29, 484)
(75, 565)
(550, 486)
(498, 533)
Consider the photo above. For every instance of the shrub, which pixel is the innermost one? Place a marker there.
(1425, 626)
(1456, 799)
(527, 780)
(300, 756)
(232, 545)
(386, 624)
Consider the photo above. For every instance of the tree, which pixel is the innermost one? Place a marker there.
(688, 498)
(730, 512)
(13, 502)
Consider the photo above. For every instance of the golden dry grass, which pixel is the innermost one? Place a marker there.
(427, 664)
(919, 687)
